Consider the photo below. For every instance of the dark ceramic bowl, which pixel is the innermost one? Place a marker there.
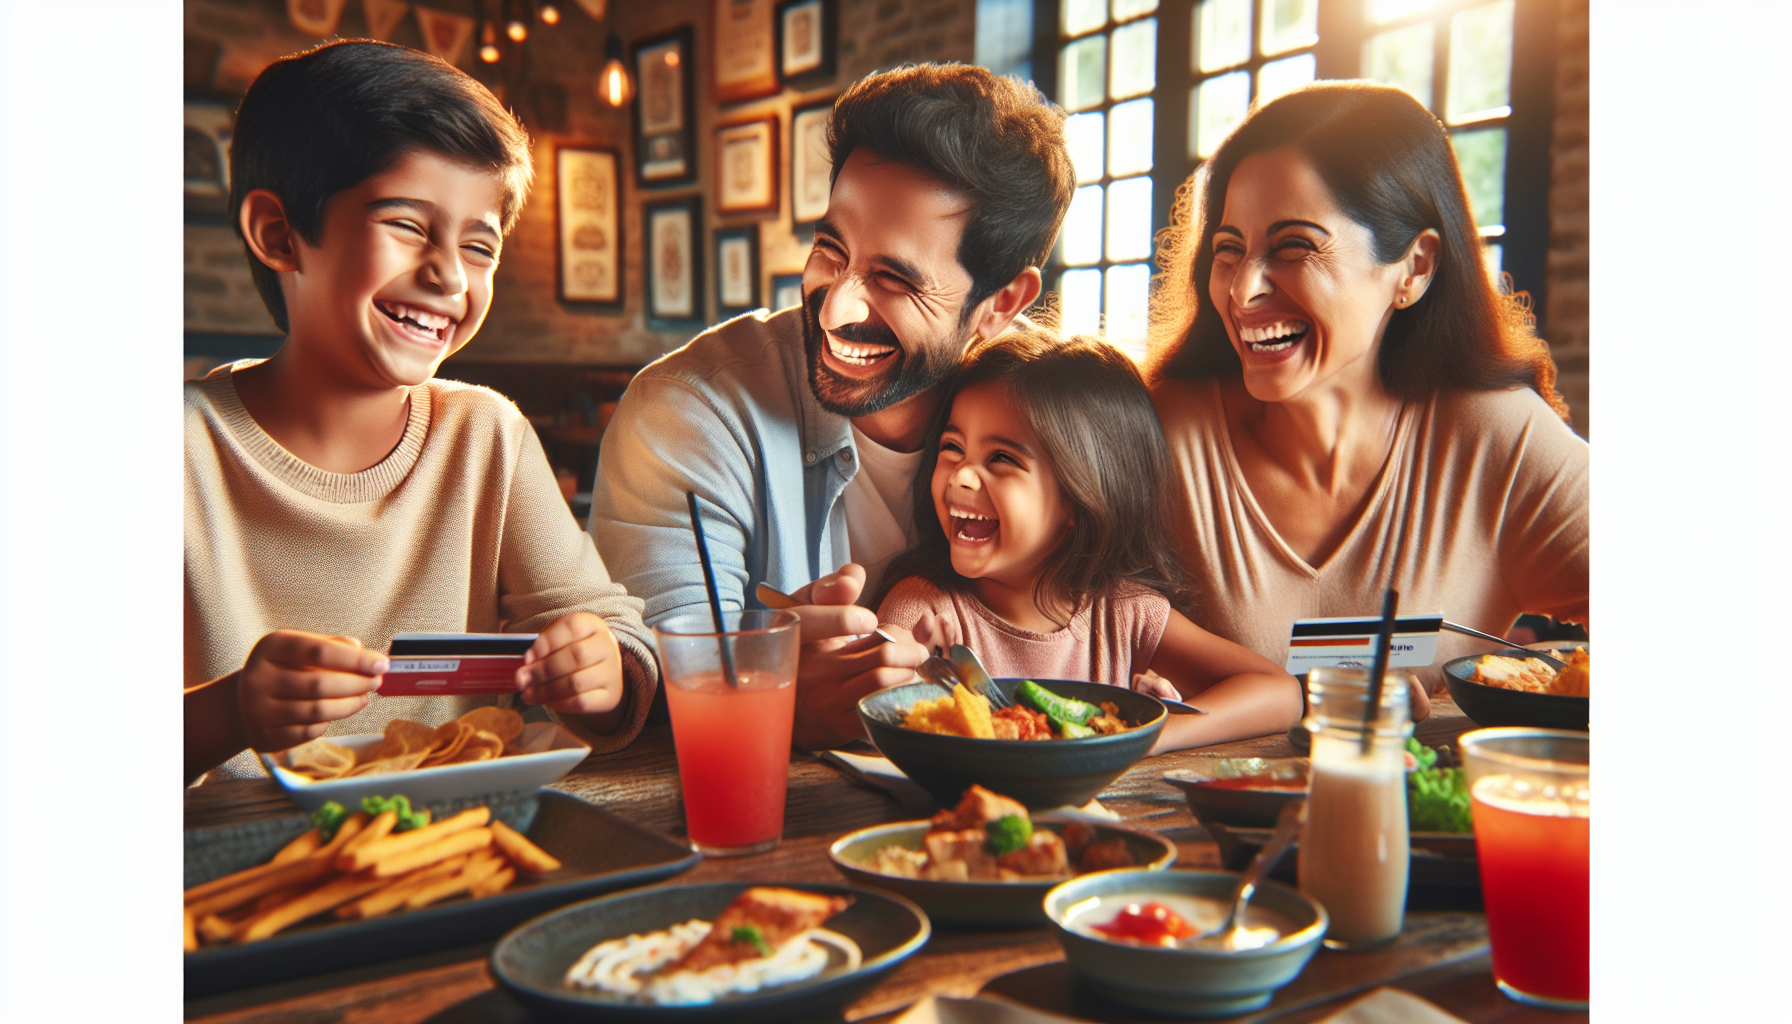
(1490, 706)
(1185, 982)
(1039, 773)
(531, 962)
(977, 904)
(1255, 807)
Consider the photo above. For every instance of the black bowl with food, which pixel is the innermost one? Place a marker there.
(1041, 774)
(1490, 706)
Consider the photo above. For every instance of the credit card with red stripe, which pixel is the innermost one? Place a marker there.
(1351, 642)
(454, 664)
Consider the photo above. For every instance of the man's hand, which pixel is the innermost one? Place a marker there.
(574, 667)
(838, 664)
(295, 684)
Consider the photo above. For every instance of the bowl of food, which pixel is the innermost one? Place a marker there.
(1247, 791)
(1133, 937)
(725, 951)
(986, 863)
(1514, 687)
(947, 743)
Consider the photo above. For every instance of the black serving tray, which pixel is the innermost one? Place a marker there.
(599, 853)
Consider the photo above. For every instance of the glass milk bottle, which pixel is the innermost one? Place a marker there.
(1353, 850)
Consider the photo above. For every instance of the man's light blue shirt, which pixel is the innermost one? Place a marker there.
(729, 416)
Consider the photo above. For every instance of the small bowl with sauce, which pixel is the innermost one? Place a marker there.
(1243, 791)
(1127, 934)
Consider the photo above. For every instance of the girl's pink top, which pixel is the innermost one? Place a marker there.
(1106, 642)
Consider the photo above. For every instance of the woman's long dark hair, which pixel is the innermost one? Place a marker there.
(1390, 168)
(1088, 406)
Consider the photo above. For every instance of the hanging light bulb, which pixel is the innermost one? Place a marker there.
(516, 26)
(550, 15)
(488, 45)
(614, 86)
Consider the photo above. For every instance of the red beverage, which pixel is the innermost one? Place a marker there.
(733, 756)
(1533, 848)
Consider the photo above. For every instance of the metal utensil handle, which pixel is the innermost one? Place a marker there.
(1287, 827)
(1503, 642)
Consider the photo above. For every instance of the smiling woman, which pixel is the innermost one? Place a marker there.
(1349, 403)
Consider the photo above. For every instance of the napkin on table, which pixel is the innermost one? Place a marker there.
(1391, 1006)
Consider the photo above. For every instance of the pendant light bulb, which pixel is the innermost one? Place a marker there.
(614, 85)
(550, 15)
(516, 30)
(488, 45)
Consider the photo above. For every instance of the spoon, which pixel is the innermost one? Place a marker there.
(971, 673)
(1288, 823)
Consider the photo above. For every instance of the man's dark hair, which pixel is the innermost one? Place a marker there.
(997, 140)
(325, 120)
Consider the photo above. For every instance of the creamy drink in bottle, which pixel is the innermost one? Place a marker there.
(1353, 850)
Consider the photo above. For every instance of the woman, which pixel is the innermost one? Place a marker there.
(1349, 402)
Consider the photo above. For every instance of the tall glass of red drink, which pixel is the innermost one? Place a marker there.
(1531, 798)
(731, 695)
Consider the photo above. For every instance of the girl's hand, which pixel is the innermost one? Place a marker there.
(294, 684)
(1150, 682)
(574, 667)
(935, 630)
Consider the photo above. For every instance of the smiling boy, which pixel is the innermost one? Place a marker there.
(338, 494)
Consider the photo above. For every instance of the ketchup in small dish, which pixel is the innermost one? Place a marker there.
(1151, 924)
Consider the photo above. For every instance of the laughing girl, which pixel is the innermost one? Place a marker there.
(1044, 545)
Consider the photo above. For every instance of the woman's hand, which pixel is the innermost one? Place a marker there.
(574, 667)
(294, 684)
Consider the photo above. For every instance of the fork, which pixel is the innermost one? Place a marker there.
(938, 670)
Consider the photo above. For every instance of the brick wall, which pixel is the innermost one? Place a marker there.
(1566, 274)
(229, 41)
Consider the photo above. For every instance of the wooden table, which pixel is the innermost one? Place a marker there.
(1442, 955)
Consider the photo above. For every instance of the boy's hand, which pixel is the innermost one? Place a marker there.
(574, 667)
(294, 684)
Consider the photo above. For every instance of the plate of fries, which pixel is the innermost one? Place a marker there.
(297, 895)
(486, 750)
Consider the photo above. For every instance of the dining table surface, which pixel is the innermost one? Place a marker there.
(1441, 954)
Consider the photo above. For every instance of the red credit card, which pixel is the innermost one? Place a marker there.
(454, 664)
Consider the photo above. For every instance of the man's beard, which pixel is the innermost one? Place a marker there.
(907, 376)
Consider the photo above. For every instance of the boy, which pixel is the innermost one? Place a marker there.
(337, 494)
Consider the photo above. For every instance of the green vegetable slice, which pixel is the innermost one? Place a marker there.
(400, 804)
(1009, 833)
(751, 935)
(1063, 710)
(328, 818)
(1073, 731)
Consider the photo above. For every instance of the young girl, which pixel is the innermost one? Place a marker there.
(1044, 547)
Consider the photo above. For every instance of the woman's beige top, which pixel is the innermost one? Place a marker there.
(1480, 513)
(462, 529)
(1106, 642)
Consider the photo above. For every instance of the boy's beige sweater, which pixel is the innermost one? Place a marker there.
(461, 529)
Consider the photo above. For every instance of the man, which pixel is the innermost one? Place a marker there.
(802, 430)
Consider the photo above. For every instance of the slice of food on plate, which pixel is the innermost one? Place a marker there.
(990, 838)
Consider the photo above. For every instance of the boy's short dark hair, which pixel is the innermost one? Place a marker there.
(319, 122)
(997, 140)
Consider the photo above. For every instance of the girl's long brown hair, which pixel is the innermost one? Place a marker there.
(1088, 406)
(1390, 167)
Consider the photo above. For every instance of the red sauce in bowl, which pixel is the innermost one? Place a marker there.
(1152, 924)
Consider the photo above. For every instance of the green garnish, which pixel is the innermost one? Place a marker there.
(398, 803)
(329, 818)
(1437, 799)
(750, 934)
(1069, 715)
(1008, 834)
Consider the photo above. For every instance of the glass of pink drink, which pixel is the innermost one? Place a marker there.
(731, 696)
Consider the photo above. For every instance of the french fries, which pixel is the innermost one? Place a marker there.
(366, 870)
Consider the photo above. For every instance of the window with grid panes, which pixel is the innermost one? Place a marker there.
(1106, 63)
(1243, 52)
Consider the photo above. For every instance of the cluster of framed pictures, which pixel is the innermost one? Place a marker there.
(761, 46)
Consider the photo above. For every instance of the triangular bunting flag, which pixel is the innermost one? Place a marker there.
(383, 16)
(315, 17)
(445, 35)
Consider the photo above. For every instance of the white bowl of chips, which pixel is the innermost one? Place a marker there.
(487, 750)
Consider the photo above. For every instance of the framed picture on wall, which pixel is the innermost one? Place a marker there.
(588, 224)
(806, 36)
(737, 271)
(206, 155)
(787, 290)
(665, 111)
(747, 167)
(811, 172)
(674, 263)
(746, 64)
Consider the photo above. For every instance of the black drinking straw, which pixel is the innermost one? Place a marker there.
(709, 583)
(1389, 602)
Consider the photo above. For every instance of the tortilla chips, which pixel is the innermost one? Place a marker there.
(481, 734)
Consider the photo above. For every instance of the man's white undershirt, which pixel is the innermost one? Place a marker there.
(880, 508)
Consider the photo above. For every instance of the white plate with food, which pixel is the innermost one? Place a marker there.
(725, 951)
(487, 750)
